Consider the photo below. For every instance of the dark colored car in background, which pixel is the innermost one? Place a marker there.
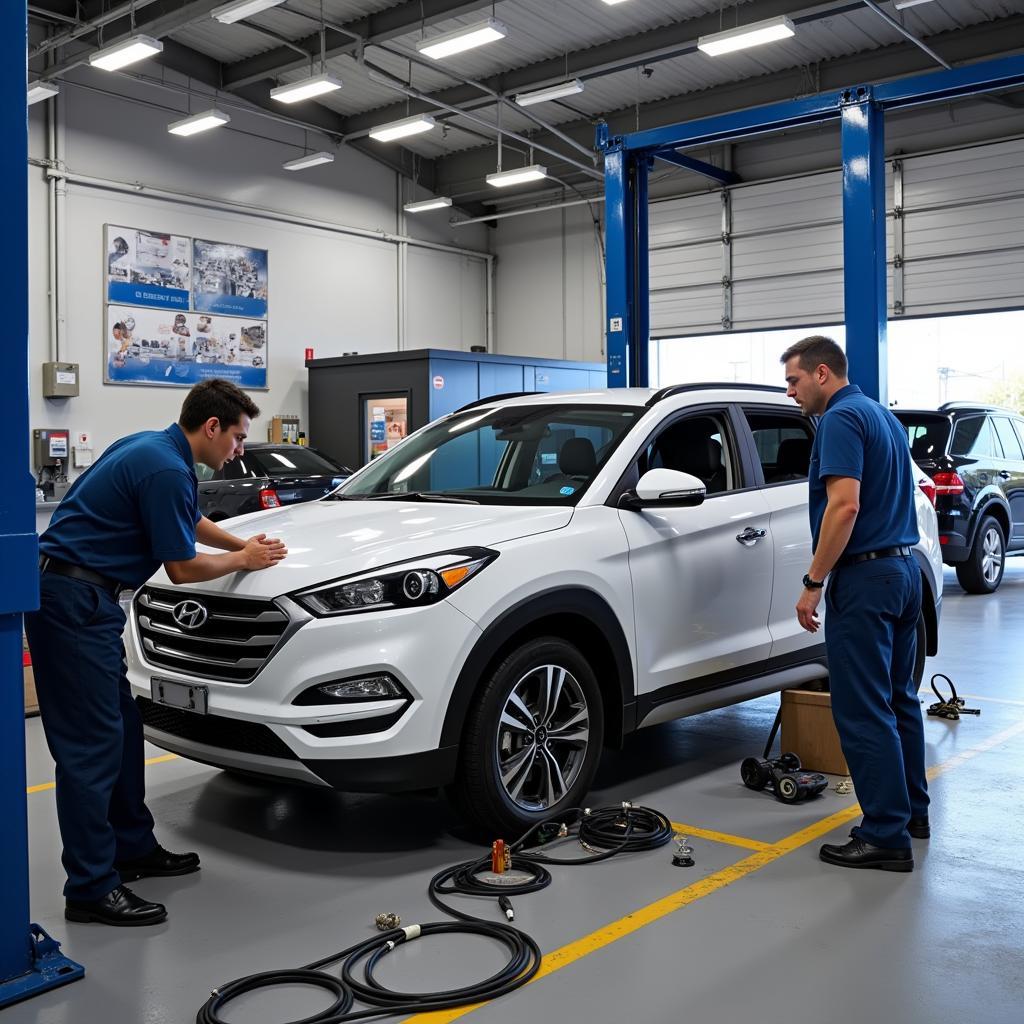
(975, 457)
(267, 476)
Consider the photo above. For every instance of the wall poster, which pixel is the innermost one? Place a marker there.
(153, 346)
(229, 279)
(147, 268)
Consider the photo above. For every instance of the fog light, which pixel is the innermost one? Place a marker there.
(418, 583)
(381, 687)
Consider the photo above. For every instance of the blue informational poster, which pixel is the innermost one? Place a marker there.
(151, 346)
(148, 268)
(229, 279)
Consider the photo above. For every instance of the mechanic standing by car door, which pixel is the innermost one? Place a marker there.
(136, 508)
(863, 523)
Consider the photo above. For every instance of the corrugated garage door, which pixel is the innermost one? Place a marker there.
(771, 254)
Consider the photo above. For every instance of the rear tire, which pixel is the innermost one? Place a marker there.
(983, 571)
(532, 740)
(922, 651)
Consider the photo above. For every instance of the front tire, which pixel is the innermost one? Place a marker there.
(532, 740)
(983, 571)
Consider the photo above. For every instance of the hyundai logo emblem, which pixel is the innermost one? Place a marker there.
(189, 614)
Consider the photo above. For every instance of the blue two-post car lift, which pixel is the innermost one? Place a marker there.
(861, 112)
(30, 961)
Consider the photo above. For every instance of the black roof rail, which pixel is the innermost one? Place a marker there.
(498, 398)
(988, 406)
(679, 389)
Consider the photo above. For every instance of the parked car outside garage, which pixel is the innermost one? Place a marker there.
(975, 457)
(267, 476)
(499, 597)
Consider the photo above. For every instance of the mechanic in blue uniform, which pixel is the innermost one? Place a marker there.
(864, 524)
(133, 510)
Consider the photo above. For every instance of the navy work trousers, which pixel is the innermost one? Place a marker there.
(94, 732)
(871, 636)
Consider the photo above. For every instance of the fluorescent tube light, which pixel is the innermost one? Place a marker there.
(901, 4)
(466, 38)
(733, 39)
(199, 123)
(228, 14)
(41, 91)
(306, 88)
(517, 176)
(126, 52)
(612, 3)
(310, 160)
(427, 204)
(552, 92)
(400, 129)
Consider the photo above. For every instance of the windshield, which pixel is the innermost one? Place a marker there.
(527, 455)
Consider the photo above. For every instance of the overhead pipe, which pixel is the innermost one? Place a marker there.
(904, 31)
(85, 27)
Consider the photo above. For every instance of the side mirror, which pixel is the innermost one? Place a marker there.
(664, 488)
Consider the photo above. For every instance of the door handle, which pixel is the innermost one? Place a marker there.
(749, 537)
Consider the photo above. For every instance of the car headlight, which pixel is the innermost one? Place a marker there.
(425, 582)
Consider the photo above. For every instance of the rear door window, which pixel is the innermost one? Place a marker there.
(783, 441)
(1011, 446)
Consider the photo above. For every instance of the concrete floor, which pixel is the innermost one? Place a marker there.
(290, 875)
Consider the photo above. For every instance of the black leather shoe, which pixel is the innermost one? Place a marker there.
(919, 827)
(119, 907)
(157, 863)
(858, 854)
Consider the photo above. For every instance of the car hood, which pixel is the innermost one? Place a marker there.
(329, 539)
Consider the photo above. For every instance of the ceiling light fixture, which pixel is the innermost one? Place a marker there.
(310, 160)
(228, 14)
(39, 91)
(552, 92)
(306, 88)
(517, 176)
(427, 204)
(612, 3)
(901, 4)
(197, 123)
(415, 125)
(465, 38)
(759, 32)
(128, 51)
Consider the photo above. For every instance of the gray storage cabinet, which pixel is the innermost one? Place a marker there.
(343, 390)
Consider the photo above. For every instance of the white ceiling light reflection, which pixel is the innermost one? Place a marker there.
(413, 468)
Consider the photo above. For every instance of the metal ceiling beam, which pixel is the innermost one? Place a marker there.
(654, 45)
(701, 167)
(464, 169)
(380, 27)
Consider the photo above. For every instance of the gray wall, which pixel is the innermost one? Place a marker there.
(328, 290)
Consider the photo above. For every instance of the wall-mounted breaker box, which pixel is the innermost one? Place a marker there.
(50, 447)
(60, 380)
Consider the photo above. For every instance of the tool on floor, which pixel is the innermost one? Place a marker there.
(952, 708)
(385, 922)
(789, 782)
(683, 857)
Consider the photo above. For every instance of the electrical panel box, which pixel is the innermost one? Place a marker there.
(50, 447)
(60, 380)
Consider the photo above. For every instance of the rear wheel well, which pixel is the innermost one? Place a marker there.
(998, 513)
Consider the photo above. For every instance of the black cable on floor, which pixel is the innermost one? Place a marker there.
(604, 831)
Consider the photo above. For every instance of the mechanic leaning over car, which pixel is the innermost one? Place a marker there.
(135, 508)
(863, 523)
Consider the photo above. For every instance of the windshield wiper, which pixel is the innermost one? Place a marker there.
(421, 496)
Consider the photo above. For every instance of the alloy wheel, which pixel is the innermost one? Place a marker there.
(542, 737)
(992, 556)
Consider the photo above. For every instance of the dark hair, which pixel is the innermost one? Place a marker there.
(216, 397)
(814, 351)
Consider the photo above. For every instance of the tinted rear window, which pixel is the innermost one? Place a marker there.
(973, 436)
(927, 434)
(291, 461)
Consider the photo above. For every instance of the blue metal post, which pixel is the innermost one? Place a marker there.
(619, 265)
(29, 959)
(864, 283)
(639, 341)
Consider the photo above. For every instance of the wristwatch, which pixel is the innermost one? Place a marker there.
(810, 584)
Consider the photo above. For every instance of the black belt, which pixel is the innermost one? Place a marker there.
(76, 572)
(866, 556)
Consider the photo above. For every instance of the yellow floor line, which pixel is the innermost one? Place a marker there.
(718, 837)
(43, 786)
(610, 933)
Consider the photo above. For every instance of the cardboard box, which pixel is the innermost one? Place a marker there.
(809, 731)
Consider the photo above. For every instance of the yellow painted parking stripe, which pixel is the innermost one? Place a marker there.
(43, 786)
(718, 837)
(610, 933)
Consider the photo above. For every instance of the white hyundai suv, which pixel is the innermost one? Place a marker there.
(507, 591)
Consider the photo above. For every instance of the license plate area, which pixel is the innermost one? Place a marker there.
(184, 696)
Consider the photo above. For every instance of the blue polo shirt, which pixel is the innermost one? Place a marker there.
(134, 509)
(859, 438)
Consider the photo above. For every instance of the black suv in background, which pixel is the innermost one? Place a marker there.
(267, 476)
(975, 457)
